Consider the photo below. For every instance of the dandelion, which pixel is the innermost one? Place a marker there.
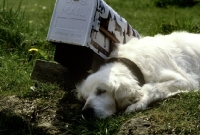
(33, 53)
(33, 50)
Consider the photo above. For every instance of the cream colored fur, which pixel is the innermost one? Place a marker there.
(170, 65)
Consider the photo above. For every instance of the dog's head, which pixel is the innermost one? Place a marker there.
(107, 91)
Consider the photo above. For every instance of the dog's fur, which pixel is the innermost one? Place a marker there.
(170, 64)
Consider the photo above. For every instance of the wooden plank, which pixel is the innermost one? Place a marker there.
(109, 35)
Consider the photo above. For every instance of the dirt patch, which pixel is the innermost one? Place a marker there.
(136, 126)
(39, 116)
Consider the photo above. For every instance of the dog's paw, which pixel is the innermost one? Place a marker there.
(131, 108)
(135, 107)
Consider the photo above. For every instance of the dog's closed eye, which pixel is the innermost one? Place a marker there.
(100, 91)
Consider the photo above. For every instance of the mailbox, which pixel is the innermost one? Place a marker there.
(80, 28)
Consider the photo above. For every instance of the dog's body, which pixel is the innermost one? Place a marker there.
(170, 64)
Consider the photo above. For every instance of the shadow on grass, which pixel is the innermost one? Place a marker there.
(178, 3)
(11, 124)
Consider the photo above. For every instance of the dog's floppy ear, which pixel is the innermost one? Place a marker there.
(80, 97)
(78, 92)
(125, 96)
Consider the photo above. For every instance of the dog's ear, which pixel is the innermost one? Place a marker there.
(80, 97)
(125, 96)
(78, 92)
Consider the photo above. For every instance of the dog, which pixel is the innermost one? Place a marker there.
(142, 72)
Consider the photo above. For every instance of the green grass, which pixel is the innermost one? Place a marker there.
(24, 25)
(149, 19)
(15, 74)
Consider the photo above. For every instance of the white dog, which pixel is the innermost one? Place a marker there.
(141, 72)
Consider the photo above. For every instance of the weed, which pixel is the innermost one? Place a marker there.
(13, 28)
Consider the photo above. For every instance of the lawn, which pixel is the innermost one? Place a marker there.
(24, 25)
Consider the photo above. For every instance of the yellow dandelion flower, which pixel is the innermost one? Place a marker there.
(33, 50)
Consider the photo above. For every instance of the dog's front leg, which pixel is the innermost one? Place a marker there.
(143, 102)
(153, 92)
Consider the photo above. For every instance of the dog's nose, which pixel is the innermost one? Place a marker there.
(88, 113)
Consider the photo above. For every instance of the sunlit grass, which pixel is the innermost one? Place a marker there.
(14, 74)
(148, 19)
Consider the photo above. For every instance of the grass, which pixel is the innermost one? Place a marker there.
(149, 19)
(24, 25)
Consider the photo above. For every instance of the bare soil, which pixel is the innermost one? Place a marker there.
(39, 116)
